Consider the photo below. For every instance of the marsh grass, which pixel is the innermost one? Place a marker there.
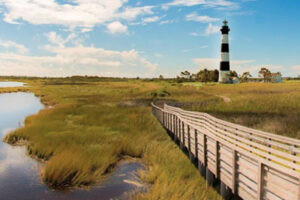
(269, 107)
(90, 129)
(96, 122)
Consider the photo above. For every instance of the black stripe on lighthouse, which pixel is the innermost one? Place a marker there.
(225, 48)
(225, 66)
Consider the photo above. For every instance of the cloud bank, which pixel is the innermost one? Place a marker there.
(76, 60)
(75, 13)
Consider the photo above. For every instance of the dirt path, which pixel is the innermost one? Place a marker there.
(225, 99)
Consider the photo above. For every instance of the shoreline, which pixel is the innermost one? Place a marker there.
(20, 142)
(89, 131)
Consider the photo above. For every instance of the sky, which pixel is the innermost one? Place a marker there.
(127, 38)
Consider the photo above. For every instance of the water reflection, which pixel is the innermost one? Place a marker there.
(19, 174)
(10, 84)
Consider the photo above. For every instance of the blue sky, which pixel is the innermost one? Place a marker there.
(129, 38)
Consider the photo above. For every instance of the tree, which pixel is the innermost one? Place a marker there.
(265, 73)
(245, 76)
(208, 75)
(179, 79)
(161, 77)
(233, 74)
(203, 75)
(193, 77)
(186, 74)
(214, 75)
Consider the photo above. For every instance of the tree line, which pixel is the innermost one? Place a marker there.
(206, 75)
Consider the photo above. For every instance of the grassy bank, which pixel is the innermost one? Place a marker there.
(270, 107)
(94, 123)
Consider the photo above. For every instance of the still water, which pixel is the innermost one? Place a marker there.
(19, 174)
(10, 84)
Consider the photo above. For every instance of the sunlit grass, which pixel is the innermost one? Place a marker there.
(95, 123)
(270, 107)
(90, 129)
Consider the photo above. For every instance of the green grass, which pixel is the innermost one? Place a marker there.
(198, 84)
(94, 124)
(270, 107)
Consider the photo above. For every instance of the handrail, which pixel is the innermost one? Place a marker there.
(287, 140)
(233, 153)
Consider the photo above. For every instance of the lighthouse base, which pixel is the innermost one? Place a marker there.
(224, 77)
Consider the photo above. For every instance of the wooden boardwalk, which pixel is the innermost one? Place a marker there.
(250, 164)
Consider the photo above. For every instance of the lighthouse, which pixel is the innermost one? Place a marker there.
(224, 64)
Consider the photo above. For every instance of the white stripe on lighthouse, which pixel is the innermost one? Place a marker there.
(225, 56)
(225, 39)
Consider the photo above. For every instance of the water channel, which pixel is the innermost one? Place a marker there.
(20, 174)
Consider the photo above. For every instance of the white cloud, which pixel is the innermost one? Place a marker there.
(296, 68)
(151, 19)
(11, 45)
(197, 18)
(85, 30)
(214, 63)
(78, 60)
(131, 13)
(166, 22)
(56, 39)
(81, 13)
(211, 29)
(218, 4)
(116, 27)
(148, 20)
(194, 34)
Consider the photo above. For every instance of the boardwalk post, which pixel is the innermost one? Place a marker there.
(182, 136)
(234, 168)
(202, 165)
(174, 126)
(189, 137)
(177, 128)
(217, 153)
(171, 122)
(180, 132)
(225, 191)
(191, 156)
(168, 122)
(210, 178)
(269, 163)
(166, 119)
(204, 150)
(260, 181)
(196, 144)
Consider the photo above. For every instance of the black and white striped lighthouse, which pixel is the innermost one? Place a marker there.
(224, 64)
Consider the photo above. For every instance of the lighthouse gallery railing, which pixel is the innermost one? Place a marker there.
(253, 164)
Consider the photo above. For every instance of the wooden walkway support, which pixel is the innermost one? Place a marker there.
(251, 164)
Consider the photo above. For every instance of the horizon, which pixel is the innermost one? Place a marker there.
(120, 38)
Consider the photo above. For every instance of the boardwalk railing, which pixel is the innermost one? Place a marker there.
(252, 164)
